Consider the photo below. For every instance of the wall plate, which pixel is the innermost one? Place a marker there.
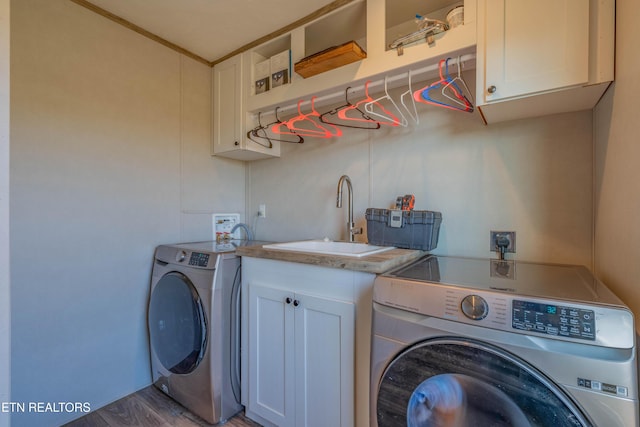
(495, 236)
(223, 223)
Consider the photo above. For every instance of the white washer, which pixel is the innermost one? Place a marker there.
(193, 322)
(462, 341)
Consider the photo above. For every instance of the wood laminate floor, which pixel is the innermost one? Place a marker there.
(149, 407)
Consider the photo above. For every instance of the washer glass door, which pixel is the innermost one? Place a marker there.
(456, 382)
(177, 323)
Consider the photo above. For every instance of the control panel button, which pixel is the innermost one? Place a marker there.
(474, 307)
(180, 256)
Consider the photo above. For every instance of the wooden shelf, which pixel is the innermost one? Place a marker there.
(330, 59)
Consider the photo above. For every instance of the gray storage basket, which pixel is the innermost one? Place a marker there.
(403, 229)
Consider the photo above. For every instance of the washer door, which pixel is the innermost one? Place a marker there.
(455, 382)
(177, 324)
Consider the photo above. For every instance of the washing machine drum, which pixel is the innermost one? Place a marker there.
(452, 382)
(177, 324)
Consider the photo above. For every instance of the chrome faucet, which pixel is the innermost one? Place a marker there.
(351, 229)
(246, 230)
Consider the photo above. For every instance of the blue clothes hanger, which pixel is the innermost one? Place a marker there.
(464, 101)
(423, 95)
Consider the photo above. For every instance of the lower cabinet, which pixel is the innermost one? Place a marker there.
(301, 369)
(299, 344)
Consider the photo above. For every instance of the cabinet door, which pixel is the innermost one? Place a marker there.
(271, 355)
(324, 361)
(532, 46)
(227, 98)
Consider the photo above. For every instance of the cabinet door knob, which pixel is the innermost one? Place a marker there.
(492, 89)
(287, 300)
(296, 303)
(236, 143)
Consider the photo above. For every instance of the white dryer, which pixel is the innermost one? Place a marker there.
(193, 322)
(462, 341)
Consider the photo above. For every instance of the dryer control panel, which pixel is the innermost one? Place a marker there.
(586, 323)
(552, 319)
(199, 259)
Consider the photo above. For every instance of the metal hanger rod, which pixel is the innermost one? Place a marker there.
(339, 95)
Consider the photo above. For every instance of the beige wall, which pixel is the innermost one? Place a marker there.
(532, 176)
(5, 319)
(110, 156)
(617, 172)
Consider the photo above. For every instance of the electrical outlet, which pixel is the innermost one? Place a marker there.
(502, 238)
(262, 211)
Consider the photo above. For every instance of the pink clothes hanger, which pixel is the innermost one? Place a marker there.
(369, 122)
(260, 134)
(389, 118)
(304, 125)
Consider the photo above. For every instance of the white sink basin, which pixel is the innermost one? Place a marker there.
(329, 247)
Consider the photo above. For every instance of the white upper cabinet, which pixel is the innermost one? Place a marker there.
(229, 130)
(542, 57)
(228, 94)
(535, 46)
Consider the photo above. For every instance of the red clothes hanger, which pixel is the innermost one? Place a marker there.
(371, 124)
(259, 134)
(304, 124)
(390, 118)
